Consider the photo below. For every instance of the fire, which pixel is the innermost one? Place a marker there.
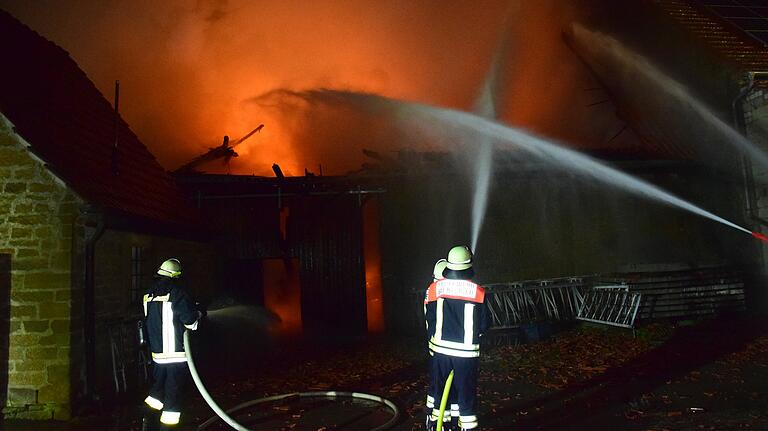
(191, 80)
(371, 254)
(282, 292)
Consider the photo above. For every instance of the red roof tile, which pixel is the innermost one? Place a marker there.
(71, 126)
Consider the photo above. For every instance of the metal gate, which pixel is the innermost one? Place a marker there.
(511, 304)
(610, 305)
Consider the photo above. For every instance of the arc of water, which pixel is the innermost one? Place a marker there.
(486, 106)
(598, 43)
(564, 157)
(415, 116)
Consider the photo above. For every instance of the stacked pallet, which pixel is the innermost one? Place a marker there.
(683, 294)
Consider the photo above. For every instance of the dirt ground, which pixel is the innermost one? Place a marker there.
(695, 375)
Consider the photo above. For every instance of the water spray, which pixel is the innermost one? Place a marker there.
(486, 106)
(225, 415)
(596, 43)
(414, 116)
(573, 160)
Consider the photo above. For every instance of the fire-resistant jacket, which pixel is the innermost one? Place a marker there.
(429, 315)
(456, 316)
(168, 310)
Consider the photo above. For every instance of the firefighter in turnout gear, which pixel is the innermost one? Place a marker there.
(459, 318)
(168, 310)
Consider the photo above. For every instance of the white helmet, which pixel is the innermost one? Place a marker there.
(440, 265)
(459, 258)
(170, 268)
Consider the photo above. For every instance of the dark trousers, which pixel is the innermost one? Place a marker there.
(464, 384)
(452, 405)
(168, 387)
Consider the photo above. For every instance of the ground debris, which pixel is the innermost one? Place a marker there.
(539, 386)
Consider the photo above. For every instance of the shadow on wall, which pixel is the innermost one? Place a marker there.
(5, 309)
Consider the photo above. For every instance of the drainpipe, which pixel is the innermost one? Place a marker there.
(92, 235)
(737, 113)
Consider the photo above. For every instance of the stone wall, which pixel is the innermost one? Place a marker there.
(37, 213)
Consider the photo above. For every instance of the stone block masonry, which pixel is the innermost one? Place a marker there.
(37, 215)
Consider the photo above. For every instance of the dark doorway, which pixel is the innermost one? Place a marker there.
(244, 281)
(325, 234)
(5, 324)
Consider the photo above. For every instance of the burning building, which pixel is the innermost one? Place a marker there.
(86, 212)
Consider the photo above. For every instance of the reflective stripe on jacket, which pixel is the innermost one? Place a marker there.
(456, 316)
(168, 310)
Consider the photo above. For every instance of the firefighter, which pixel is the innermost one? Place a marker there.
(168, 310)
(460, 318)
(429, 313)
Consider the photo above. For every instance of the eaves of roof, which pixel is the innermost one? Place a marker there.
(74, 130)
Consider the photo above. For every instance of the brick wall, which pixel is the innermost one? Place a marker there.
(37, 215)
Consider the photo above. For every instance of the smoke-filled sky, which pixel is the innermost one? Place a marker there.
(193, 71)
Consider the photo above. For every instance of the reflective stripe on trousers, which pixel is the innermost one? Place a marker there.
(170, 418)
(468, 422)
(153, 403)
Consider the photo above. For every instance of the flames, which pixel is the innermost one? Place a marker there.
(282, 292)
(372, 259)
(190, 70)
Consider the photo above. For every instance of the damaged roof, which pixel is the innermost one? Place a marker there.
(726, 38)
(69, 124)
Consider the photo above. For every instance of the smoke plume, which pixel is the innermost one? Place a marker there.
(190, 72)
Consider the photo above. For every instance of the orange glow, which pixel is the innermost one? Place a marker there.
(282, 292)
(540, 91)
(190, 71)
(371, 254)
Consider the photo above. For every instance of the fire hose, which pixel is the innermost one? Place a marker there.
(444, 401)
(224, 415)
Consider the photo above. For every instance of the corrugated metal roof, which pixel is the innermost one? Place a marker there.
(71, 126)
(728, 40)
